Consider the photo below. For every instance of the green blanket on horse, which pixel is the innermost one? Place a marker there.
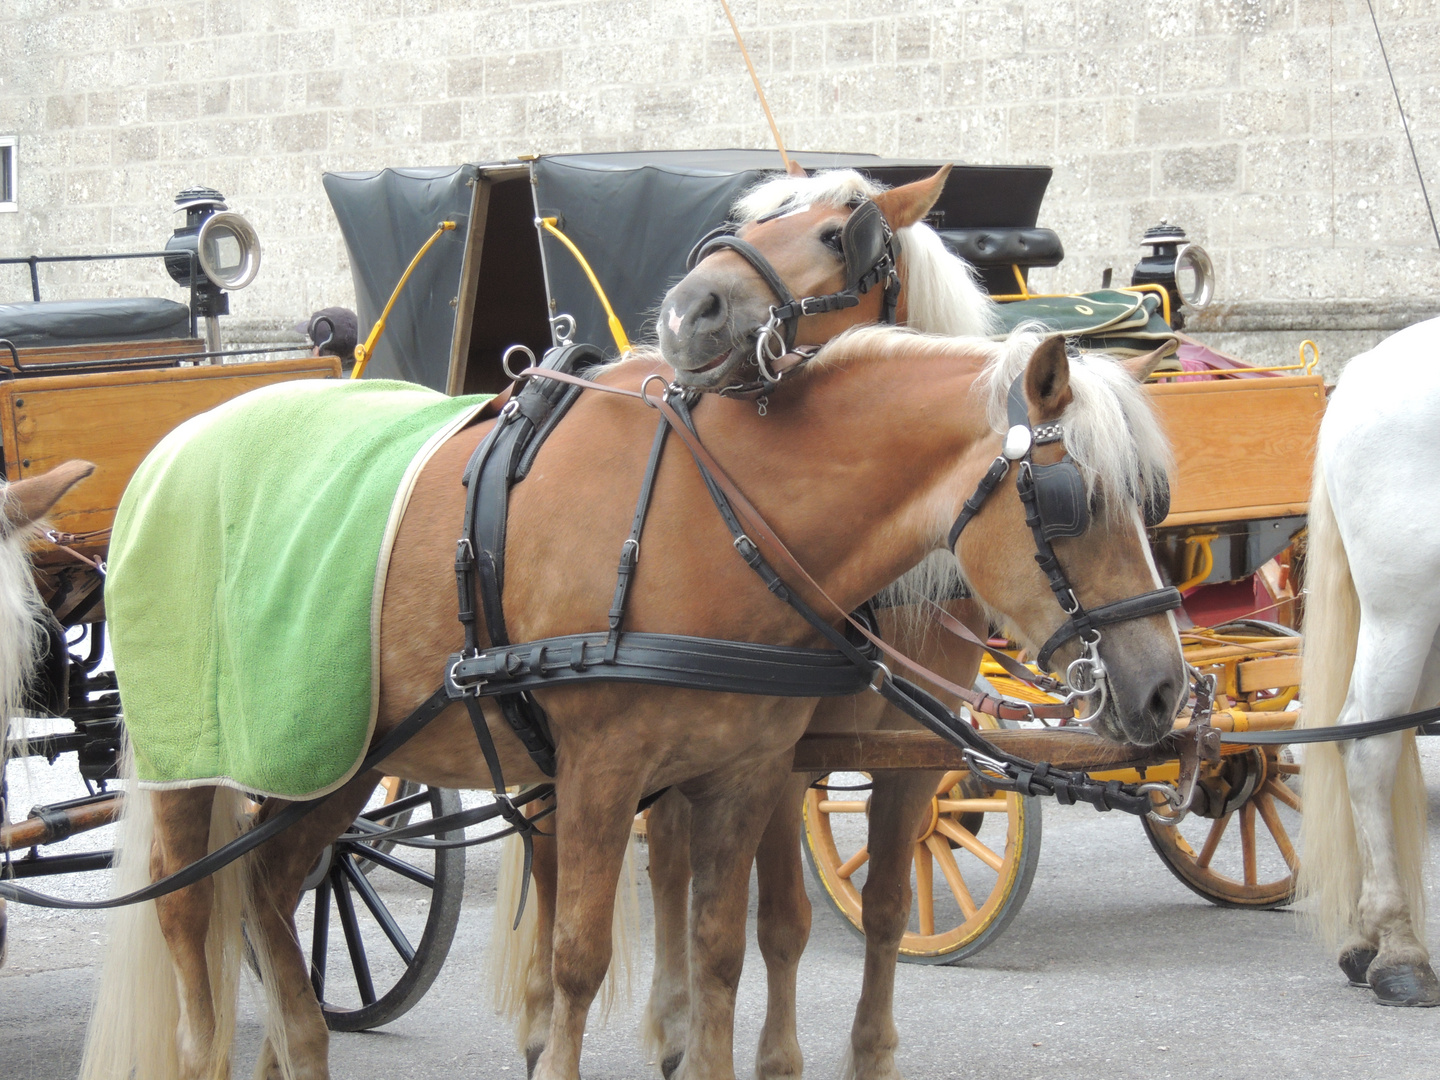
(247, 569)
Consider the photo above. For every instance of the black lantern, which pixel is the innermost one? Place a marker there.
(1183, 269)
(216, 247)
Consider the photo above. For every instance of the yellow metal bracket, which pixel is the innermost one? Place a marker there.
(366, 350)
(617, 331)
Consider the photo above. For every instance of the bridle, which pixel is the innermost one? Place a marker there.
(1056, 506)
(868, 247)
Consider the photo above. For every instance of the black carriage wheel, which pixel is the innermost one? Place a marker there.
(350, 895)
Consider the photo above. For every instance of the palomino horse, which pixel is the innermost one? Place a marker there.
(708, 325)
(708, 329)
(915, 406)
(21, 505)
(1372, 651)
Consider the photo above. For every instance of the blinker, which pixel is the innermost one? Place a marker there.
(1060, 499)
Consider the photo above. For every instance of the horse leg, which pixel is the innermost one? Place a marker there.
(667, 833)
(182, 834)
(296, 1029)
(729, 813)
(783, 925)
(1386, 682)
(897, 805)
(594, 815)
(537, 1010)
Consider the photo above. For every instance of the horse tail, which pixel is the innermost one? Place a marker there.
(136, 1011)
(1330, 871)
(517, 960)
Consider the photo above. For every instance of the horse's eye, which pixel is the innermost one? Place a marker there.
(831, 239)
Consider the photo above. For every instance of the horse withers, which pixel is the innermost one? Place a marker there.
(23, 504)
(1372, 651)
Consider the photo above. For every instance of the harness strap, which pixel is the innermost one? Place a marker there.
(1155, 602)
(426, 711)
(630, 550)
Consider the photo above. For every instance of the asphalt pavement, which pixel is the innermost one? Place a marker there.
(1112, 970)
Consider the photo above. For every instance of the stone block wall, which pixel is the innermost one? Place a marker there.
(1268, 128)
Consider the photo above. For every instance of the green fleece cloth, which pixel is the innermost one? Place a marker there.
(246, 571)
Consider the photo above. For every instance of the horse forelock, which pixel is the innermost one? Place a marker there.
(836, 188)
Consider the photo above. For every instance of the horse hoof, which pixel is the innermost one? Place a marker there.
(1411, 985)
(670, 1064)
(1355, 963)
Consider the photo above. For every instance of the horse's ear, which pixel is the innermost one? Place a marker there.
(1142, 367)
(794, 168)
(28, 500)
(905, 205)
(1047, 379)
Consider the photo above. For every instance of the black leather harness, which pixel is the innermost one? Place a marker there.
(1056, 506)
(868, 247)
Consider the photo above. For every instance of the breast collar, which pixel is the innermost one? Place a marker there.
(869, 248)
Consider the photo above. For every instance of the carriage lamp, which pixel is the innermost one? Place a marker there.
(1183, 269)
(222, 245)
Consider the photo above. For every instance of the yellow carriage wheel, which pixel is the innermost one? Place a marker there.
(1242, 851)
(971, 868)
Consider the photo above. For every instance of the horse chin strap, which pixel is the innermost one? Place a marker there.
(775, 340)
(1055, 505)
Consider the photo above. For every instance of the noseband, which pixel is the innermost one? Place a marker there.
(868, 246)
(1056, 506)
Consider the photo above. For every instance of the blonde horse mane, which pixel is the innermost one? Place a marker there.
(1110, 429)
(20, 607)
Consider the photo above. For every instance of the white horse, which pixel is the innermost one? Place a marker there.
(1372, 652)
(21, 505)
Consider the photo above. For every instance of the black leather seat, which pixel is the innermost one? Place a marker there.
(32, 324)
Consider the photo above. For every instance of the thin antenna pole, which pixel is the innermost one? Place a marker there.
(1403, 122)
(774, 130)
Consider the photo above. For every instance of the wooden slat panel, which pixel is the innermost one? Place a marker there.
(1242, 446)
(110, 350)
(1268, 674)
(115, 418)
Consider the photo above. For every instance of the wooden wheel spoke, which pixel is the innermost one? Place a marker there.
(359, 963)
(1212, 841)
(1247, 842)
(925, 889)
(378, 909)
(1266, 806)
(850, 865)
(390, 862)
(997, 805)
(943, 856)
(320, 938)
(948, 782)
(1287, 768)
(1283, 793)
(967, 840)
(842, 806)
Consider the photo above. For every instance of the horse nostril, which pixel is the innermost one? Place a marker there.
(709, 312)
(1162, 703)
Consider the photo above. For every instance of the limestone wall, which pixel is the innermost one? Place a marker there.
(1268, 129)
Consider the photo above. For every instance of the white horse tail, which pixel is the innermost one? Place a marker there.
(1330, 871)
(516, 957)
(136, 1012)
